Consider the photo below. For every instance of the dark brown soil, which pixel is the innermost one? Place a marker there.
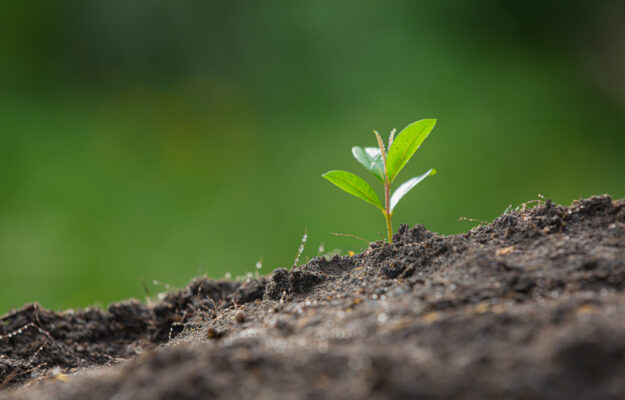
(531, 306)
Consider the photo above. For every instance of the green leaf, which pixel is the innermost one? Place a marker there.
(371, 159)
(407, 186)
(405, 145)
(354, 185)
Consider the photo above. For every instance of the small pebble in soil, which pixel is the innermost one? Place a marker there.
(239, 317)
(213, 333)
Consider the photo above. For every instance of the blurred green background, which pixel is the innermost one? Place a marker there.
(144, 140)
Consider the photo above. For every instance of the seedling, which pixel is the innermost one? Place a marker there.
(385, 167)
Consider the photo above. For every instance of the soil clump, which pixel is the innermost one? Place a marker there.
(530, 306)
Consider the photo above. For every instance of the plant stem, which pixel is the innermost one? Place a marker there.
(389, 227)
(388, 214)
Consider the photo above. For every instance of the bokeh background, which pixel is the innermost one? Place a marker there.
(154, 140)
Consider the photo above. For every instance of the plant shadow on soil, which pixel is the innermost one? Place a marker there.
(529, 306)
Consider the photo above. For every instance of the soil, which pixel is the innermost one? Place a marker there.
(531, 306)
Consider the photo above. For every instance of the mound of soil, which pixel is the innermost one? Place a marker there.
(531, 306)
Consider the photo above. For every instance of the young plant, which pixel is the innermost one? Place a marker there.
(385, 166)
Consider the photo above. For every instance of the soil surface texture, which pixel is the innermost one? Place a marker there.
(531, 306)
